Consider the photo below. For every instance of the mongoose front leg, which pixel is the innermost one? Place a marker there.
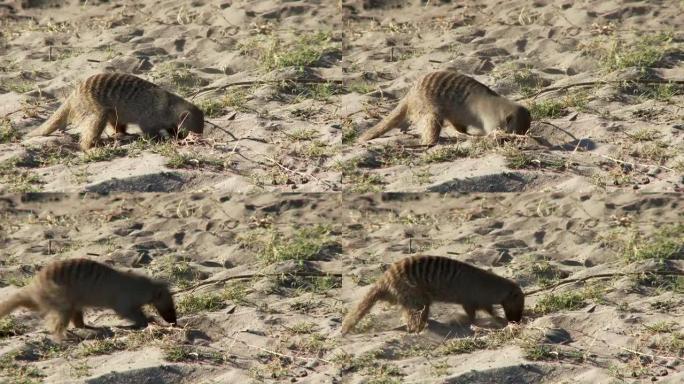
(430, 125)
(470, 311)
(416, 314)
(59, 321)
(93, 126)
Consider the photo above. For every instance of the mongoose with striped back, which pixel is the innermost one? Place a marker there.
(120, 99)
(62, 289)
(418, 281)
(449, 96)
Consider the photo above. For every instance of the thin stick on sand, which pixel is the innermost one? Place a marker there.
(591, 83)
(604, 276)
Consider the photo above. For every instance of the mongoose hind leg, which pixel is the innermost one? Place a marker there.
(430, 125)
(58, 322)
(92, 128)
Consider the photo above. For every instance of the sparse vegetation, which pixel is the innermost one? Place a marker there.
(8, 133)
(178, 77)
(305, 51)
(547, 109)
(20, 373)
(105, 153)
(196, 303)
(535, 350)
(566, 301)
(350, 131)
(305, 243)
(10, 327)
(446, 154)
(101, 347)
(517, 159)
(642, 52)
(187, 353)
(665, 242)
(302, 134)
(16, 179)
(369, 364)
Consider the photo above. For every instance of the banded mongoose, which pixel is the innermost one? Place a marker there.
(449, 96)
(120, 99)
(418, 281)
(62, 289)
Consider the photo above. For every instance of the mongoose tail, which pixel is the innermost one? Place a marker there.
(394, 119)
(18, 299)
(376, 293)
(58, 120)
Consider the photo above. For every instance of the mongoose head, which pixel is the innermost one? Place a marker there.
(518, 121)
(163, 302)
(514, 304)
(191, 119)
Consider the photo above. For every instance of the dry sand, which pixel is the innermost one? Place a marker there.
(264, 278)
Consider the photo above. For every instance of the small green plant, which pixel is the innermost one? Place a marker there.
(644, 134)
(302, 134)
(538, 351)
(19, 373)
(666, 242)
(179, 77)
(305, 51)
(10, 327)
(302, 328)
(566, 301)
(8, 133)
(104, 153)
(236, 292)
(464, 345)
(662, 92)
(361, 87)
(550, 109)
(193, 304)
(350, 131)
(185, 353)
(446, 154)
(642, 53)
(177, 159)
(102, 347)
(369, 364)
(661, 327)
(306, 243)
(211, 107)
(16, 179)
(517, 159)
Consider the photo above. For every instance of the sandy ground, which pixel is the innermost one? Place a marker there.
(263, 282)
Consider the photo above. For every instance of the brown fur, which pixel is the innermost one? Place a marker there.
(448, 96)
(120, 99)
(62, 289)
(416, 282)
